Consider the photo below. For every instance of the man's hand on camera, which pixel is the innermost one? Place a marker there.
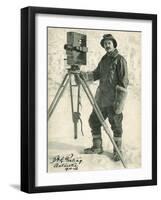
(83, 75)
(87, 76)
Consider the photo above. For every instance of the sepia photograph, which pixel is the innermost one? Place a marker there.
(94, 99)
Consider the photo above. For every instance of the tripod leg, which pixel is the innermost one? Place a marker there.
(99, 115)
(58, 95)
(72, 107)
(78, 100)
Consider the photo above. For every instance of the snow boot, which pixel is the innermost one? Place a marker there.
(96, 148)
(118, 142)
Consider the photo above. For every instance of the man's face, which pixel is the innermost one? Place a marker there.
(108, 45)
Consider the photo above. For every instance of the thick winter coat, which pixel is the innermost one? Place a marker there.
(111, 71)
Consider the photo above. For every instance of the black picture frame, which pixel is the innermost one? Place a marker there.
(28, 92)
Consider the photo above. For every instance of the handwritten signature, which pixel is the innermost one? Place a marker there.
(68, 162)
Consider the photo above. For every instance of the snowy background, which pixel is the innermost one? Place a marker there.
(60, 126)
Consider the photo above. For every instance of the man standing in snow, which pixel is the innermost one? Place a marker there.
(110, 95)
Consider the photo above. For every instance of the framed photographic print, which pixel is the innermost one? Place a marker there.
(88, 99)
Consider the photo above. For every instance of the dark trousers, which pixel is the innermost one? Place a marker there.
(115, 121)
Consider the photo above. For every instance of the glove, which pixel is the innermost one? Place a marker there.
(120, 97)
(87, 76)
(82, 75)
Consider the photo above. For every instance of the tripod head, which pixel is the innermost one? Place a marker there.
(76, 49)
(74, 69)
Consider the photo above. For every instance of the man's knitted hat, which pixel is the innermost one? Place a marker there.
(108, 37)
